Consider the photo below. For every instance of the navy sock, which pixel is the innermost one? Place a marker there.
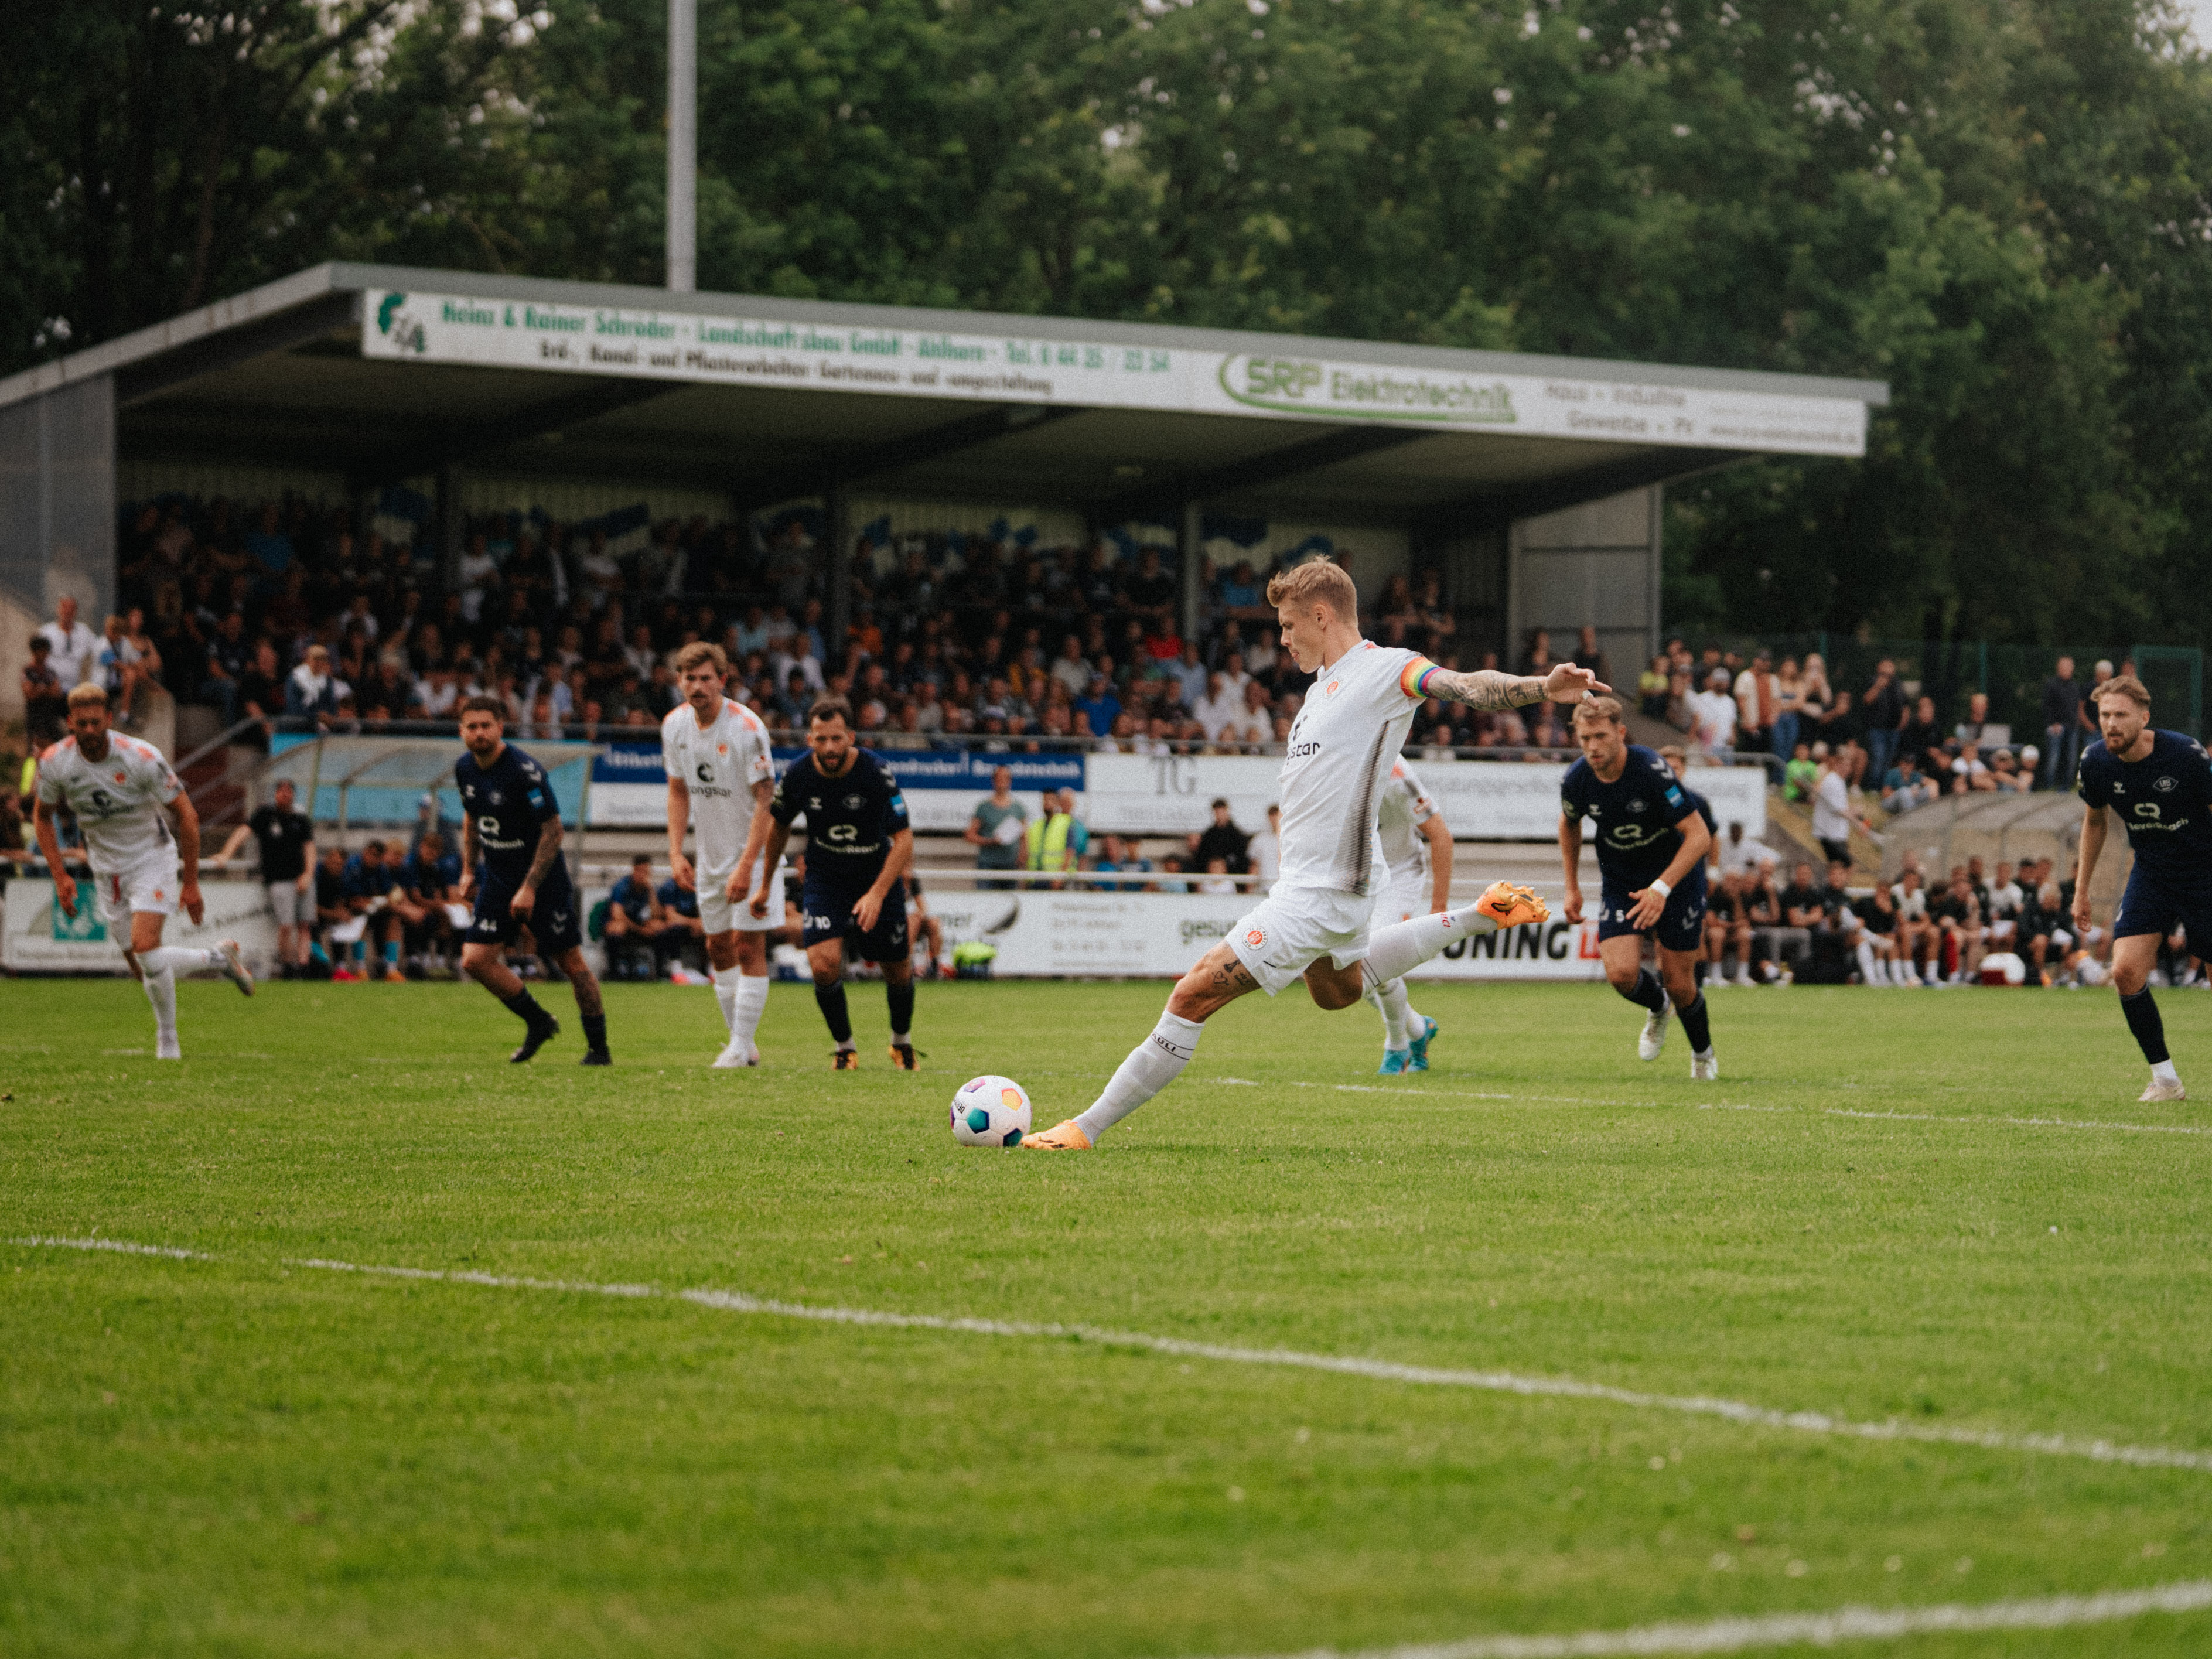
(1647, 993)
(830, 999)
(900, 999)
(595, 1030)
(524, 1007)
(1695, 1026)
(2150, 1030)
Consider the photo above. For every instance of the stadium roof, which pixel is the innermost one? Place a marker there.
(387, 373)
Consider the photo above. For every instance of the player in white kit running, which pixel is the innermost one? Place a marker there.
(1417, 866)
(1314, 924)
(117, 787)
(721, 776)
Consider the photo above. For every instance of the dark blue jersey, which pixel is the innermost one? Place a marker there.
(850, 818)
(508, 802)
(1635, 815)
(364, 880)
(2165, 800)
(433, 878)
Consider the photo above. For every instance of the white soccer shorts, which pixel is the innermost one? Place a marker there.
(148, 885)
(1294, 927)
(718, 915)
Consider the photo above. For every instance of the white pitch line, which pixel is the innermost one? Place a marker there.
(1778, 1630)
(121, 1246)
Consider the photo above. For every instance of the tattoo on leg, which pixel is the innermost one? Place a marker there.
(1235, 976)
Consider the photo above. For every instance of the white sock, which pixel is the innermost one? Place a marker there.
(161, 992)
(1867, 973)
(749, 1003)
(726, 981)
(1151, 1066)
(1397, 1013)
(2164, 1072)
(177, 959)
(1404, 945)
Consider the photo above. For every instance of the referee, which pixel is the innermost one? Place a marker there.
(287, 841)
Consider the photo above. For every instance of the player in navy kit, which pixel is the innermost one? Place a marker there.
(858, 847)
(1651, 843)
(2160, 784)
(512, 871)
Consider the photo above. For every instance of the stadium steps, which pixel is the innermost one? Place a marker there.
(2003, 828)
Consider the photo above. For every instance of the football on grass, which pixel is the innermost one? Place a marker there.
(990, 1111)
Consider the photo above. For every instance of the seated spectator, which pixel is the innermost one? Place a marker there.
(680, 904)
(1877, 936)
(1651, 688)
(1218, 879)
(1905, 788)
(1804, 907)
(1920, 737)
(1969, 773)
(331, 910)
(1916, 932)
(45, 699)
(1223, 840)
(1957, 915)
(2005, 775)
(430, 882)
(2001, 909)
(1766, 920)
(636, 919)
(370, 877)
(311, 693)
(1728, 924)
(1737, 855)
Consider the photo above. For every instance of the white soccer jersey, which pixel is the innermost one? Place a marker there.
(720, 766)
(1404, 808)
(1341, 746)
(117, 800)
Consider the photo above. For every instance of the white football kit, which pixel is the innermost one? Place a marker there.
(719, 765)
(1335, 769)
(1404, 808)
(118, 801)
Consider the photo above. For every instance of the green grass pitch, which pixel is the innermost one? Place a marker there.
(246, 1455)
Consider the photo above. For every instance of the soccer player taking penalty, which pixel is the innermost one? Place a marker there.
(1651, 845)
(858, 848)
(512, 871)
(722, 777)
(116, 786)
(2160, 784)
(1316, 924)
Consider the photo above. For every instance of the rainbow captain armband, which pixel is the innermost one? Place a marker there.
(1413, 678)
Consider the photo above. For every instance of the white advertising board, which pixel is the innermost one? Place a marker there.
(758, 348)
(1160, 935)
(36, 937)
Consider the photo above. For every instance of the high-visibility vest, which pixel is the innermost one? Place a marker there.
(1047, 842)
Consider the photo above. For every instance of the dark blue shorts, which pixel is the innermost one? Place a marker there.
(1682, 924)
(2155, 904)
(555, 921)
(828, 909)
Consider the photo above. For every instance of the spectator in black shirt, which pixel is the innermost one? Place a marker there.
(2062, 726)
(228, 657)
(331, 908)
(1803, 908)
(261, 692)
(1149, 591)
(45, 699)
(1884, 709)
(286, 841)
(1920, 737)
(1223, 840)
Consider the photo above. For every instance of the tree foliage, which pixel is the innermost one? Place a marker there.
(1998, 206)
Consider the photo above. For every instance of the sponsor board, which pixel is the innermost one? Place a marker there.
(630, 789)
(760, 348)
(1160, 935)
(36, 937)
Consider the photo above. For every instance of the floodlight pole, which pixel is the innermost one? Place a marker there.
(682, 146)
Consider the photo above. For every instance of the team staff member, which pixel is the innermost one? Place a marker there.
(859, 847)
(1652, 843)
(511, 864)
(286, 839)
(2160, 784)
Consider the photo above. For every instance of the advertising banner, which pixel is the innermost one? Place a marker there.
(36, 937)
(630, 790)
(761, 348)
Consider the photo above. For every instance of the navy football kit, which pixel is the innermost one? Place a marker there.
(1636, 839)
(510, 802)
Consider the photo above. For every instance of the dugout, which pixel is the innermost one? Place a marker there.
(1531, 482)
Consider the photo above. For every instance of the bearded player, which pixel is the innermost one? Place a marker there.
(1314, 924)
(722, 777)
(1412, 885)
(1651, 843)
(2160, 784)
(117, 787)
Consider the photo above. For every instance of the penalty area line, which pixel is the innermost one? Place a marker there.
(1741, 1412)
(1775, 1630)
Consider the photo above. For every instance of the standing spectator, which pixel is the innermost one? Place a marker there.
(2062, 724)
(1920, 737)
(75, 648)
(1056, 842)
(45, 699)
(1651, 688)
(1223, 840)
(1833, 812)
(1265, 854)
(1587, 655)
(1788, 708)
(1713, 714)
(285, 839)
(1884, 706)
(1758, 703)
(996, 827)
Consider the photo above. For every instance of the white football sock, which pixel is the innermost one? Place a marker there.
(2164, 1072)
(1397, 1013)
(1394, 951)
(726, 981)
(1151, 1066)
(1867, 974)
(749, 1003)
(178, 959)
(161, 992)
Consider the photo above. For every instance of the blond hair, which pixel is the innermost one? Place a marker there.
(85, 695)
(702, 651)
(2127, 686)
(1316, 579)
(1601, 707)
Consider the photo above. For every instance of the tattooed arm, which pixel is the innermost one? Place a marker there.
(1487, 688)
(549, 848)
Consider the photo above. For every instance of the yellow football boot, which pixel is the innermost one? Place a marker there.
(1067, 1137)
(1511, 905)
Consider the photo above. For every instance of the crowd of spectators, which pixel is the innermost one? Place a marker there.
(283, 611)
(1054, 842)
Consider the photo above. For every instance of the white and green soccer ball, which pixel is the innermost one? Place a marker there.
(990, 1111)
